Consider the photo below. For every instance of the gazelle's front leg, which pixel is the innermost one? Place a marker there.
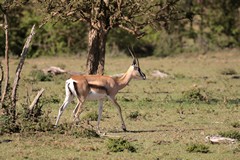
(113, 100)
(100, 109)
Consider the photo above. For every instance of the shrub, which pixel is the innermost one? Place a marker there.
(119, 145)
(231, 134)
(76, 131)
(134, 115)
(171, 46)
(7, 125)
(84, 133)
(237, 149)
(236, 124)
(26, 121)
(179, 76)
(35, 120)
(39, 75)
(61, 128)
(7, 117)
(228, 71)
(126, 99)
(91, 116)
(201, 148)
(195, 95)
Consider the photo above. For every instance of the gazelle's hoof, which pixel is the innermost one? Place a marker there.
(76, 121)
(101, 134)
(98, 132)
(124, 129)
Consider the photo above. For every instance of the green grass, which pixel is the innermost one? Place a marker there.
(201, 148)
(119, 145)
(231, 134)
(161, 119)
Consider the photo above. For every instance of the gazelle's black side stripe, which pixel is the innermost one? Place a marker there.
(98, 87)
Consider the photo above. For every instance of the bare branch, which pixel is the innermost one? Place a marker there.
(132, 31)
(127, 29)
(119, 4)
(19, 68)
(1, 79)
(6, 55)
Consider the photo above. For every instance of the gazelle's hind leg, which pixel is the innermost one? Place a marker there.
(68, 99)
(78, 109)
(63, 107)
(75, 110)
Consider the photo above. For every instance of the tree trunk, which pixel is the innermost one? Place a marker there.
(96, 50)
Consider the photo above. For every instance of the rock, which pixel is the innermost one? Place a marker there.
(219, 139)
(54, 70)
(159, 74)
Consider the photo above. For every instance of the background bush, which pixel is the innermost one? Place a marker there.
(216, 29)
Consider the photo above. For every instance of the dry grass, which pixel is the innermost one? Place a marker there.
(165, 124)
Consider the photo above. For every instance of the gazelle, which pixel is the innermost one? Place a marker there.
(96, 87)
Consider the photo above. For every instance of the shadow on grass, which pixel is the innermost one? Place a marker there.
(157, 130)
(209, 101)
(234, 101)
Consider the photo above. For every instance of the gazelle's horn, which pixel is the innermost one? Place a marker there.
(131, 53)
(134, 56)
(137, 61)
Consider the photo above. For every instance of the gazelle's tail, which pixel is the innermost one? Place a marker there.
(69, 87)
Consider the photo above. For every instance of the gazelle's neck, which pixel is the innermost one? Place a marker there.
(125, 78)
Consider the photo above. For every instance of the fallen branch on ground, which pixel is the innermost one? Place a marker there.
(36, 99)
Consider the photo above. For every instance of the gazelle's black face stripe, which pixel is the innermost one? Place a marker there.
(141, 73)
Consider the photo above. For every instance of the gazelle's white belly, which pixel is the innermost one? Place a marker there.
(92, 95)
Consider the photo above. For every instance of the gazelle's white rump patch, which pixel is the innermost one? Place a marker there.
(69, 85)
